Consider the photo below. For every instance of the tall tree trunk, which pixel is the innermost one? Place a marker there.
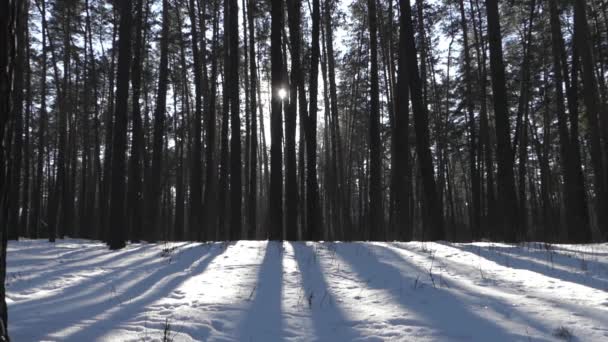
(521, 129)
(506, 181)
(9, 15)
(275, 208)
(153, 183)
(376, 211)
(83, 198)
(109, 132)
(210, 217)
(312, 192)
(291, 182)
(475, 210)
(58, 205)
(253, 145)
(485, 145)
(235, 124)
(575, 197)
(338, 158)
(36, 213)
(27, 149)
(116, 236)
(135, 190)
(432, 207)
(17, 106)
(593, 107)
(401, 171)
(195, 224)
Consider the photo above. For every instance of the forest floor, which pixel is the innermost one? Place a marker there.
(77, 290)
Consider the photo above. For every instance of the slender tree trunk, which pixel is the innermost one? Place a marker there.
(432, 207)
(27, 149)
(338, 158)
(593, 107)
(134, 191)
(376, 215)
(153, 183)
(575, 198)
(475, 210)
(9, 14)
(109, 128)
(17, 106)
(235, 124)
(36, 212)
(195, 224)
(253, 146)
(276, 132)
(116, 236)
(401, 171)
(511, 230)
(312, 187)
(291, 186)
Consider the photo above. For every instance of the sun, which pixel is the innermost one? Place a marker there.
(282, 93)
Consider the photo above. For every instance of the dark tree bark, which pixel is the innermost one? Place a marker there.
(135, 189)
(401, 172)
(36, 213)
(521, 128)
(376, 213)
(106, 186)
(211, 154)
(209, 216)
(181, 137)
(475, 211)
(235, 123)
(8, 26)
(575, 197)
(275, 207)
(153, 183)
(58, 217)
(27, 150)
(485, 147)
(17, 107)
(83, 197)
(593, 108)
(338, 159)
(291, 182)
(506, 180)
(312, 188)
(253, 145)
(195, 224)
(116, 236)
(432, 207)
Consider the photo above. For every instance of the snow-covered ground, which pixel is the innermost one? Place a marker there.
(77, 290)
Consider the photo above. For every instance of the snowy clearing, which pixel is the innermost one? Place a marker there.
(77, 290)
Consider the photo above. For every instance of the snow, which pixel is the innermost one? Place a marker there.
(77, 290)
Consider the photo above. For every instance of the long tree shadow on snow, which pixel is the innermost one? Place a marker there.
(510, 284)
(327, 317)
(543, 262)
(100, 304)
(72, 266)
(152, 288)
(81, 285)
(449, 315)
(28, 252)
(263, 318)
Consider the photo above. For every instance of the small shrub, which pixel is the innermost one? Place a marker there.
(563, 333)
(310, 299)
(584, 265)
(167, 331)
(167, 251)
